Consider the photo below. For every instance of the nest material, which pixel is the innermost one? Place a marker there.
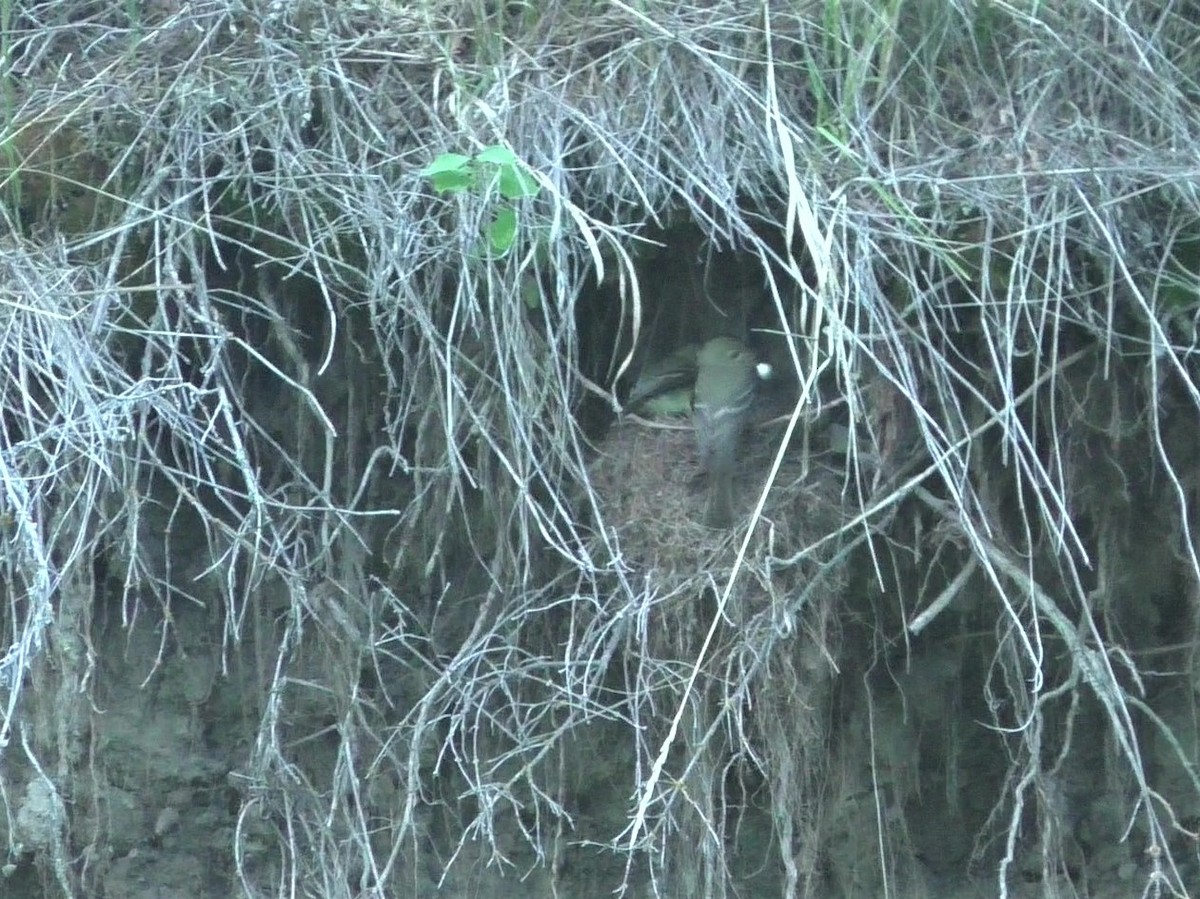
(654, 491)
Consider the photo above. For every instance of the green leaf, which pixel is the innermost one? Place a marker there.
(502, 232)
(531, 294)
(451, 182)
(447, 162)
(450, 173)
(516, 183)
(497, 155)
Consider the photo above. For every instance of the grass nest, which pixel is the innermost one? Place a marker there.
(653, 493)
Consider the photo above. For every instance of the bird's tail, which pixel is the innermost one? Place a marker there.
(719, 513)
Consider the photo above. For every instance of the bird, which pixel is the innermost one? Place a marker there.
(726, 376)
(665, 385)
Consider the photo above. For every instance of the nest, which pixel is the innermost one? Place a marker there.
(653, 491)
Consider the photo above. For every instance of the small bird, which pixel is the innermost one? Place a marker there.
(665, 384)
(726, 375)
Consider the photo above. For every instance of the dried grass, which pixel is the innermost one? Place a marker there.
(215, 218)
